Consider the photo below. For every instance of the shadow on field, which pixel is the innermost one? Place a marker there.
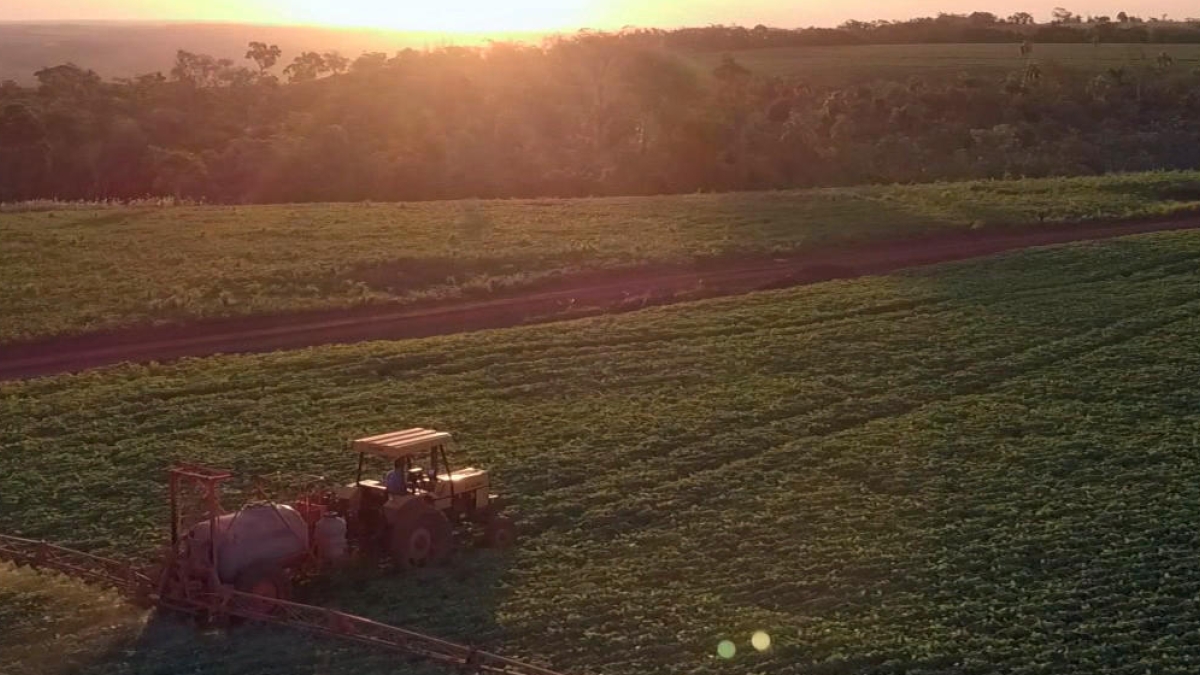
(115, 217)
(401, 274)
(820, 219)
(1167, 189)
(1071, 291)
(455, 603)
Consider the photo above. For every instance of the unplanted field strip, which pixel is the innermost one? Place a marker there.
(71, 354)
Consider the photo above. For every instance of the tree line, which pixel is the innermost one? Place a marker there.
(1065, 26)
(589, 114)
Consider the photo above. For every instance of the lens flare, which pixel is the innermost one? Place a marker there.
(761, 641)
(726, 649)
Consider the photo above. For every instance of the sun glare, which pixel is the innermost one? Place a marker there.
(451, 16)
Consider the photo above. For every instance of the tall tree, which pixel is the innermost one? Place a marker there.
(368, 62)
(335, 63)
(1063, 15)
(306, 67)
(264, 56)
(68, 80)
(200, 70)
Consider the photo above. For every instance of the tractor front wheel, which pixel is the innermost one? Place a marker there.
(500, 532)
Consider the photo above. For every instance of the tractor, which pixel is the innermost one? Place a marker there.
(260, 548)
(222, 567)
(411, 517)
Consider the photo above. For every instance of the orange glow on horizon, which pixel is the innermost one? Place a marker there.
(448, 16)
(499, 16)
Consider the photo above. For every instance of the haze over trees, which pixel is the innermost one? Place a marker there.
(592, 114)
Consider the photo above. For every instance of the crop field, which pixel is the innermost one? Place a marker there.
(51, 626)
(65, 271)
(835, 66)
(972, 468)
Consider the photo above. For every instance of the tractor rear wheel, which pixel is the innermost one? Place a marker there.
(500, 532)
(421, 538)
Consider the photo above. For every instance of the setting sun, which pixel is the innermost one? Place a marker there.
(445, 15)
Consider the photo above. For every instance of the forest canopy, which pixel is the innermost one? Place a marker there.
(593, 114)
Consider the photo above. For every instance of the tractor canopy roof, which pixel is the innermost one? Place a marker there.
(398, 444)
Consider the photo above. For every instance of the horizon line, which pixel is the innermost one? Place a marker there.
(541, 32)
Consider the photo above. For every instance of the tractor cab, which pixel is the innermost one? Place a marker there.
(421, 467)
(420, 479)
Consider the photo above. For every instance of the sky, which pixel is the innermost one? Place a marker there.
(536, 15)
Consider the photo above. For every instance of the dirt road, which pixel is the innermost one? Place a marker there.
(573, 297)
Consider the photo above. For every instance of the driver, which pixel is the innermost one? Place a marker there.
(397, 479)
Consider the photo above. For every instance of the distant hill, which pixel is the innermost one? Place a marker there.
(124, 49)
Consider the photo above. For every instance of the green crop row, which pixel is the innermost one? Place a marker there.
(974, 468)
(73, 271)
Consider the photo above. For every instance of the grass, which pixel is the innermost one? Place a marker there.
(980, 467)
(835, 66)
(74, 271)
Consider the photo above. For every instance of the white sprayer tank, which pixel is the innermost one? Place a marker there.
(260, 534)
(329, 535)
